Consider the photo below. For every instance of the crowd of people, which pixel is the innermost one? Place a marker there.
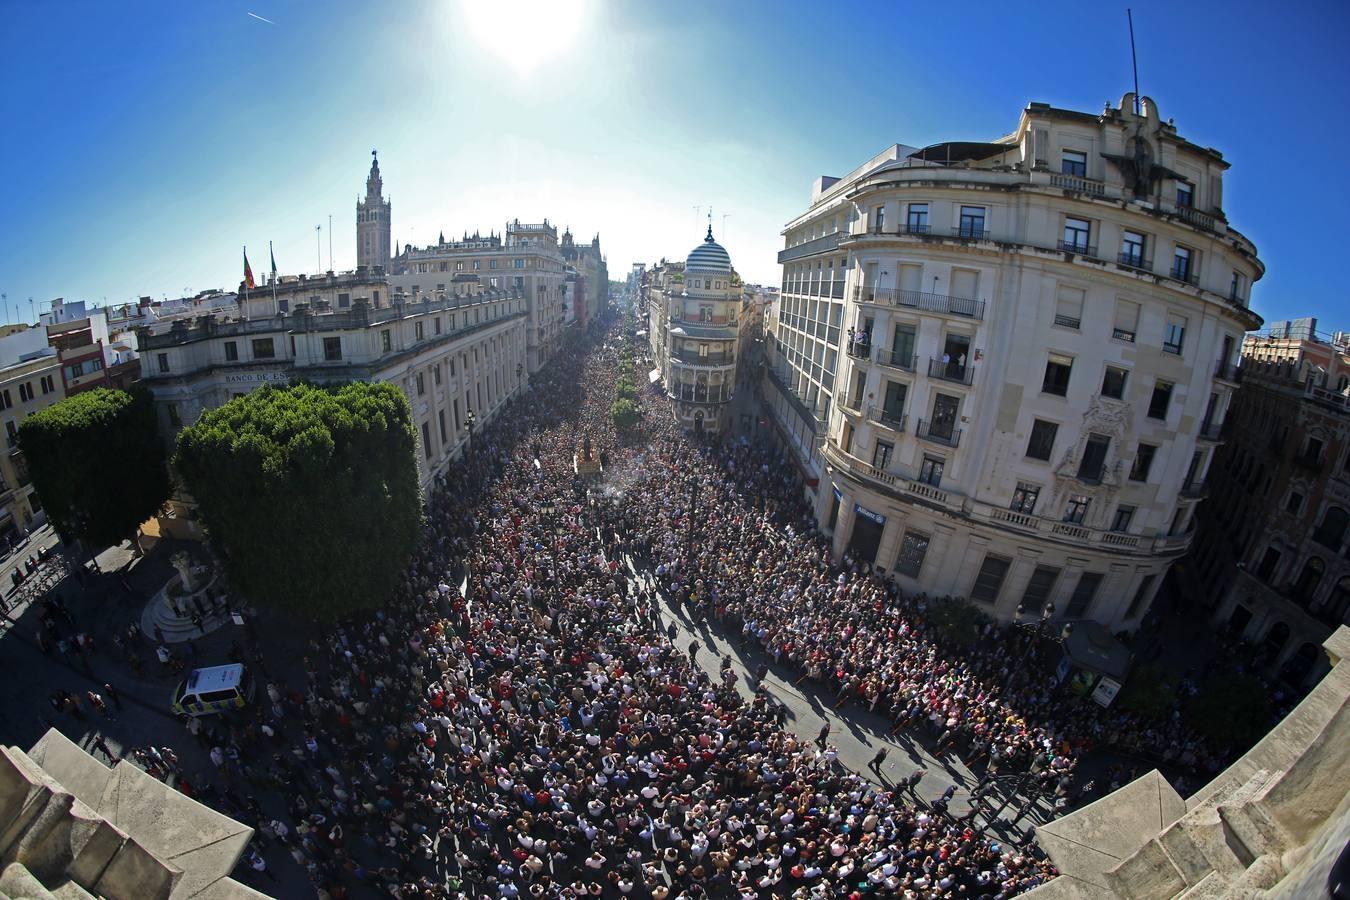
(518, 721)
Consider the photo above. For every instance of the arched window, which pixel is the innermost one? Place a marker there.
(1275, 640)
(1331, 533)
(1309, 579)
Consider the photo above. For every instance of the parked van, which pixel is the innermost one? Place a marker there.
(213, 690)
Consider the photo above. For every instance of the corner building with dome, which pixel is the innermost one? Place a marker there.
(694, 335)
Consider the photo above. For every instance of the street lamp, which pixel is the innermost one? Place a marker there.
(520, 371)
(469, 421)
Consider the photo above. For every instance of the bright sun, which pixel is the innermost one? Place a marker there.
(525, 33)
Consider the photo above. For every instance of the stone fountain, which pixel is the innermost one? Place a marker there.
(183, 609)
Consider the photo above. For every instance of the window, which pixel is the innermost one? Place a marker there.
(1076, 510)
(1094, 457)
(917, 221)
(1038, 588)
(163, 360)
(1113, 382)
(374, 298)
(913, 548)
(931, 470)
(492, 264)
(12, 433)
(1127, 320)
(231, 351)
(1331, 533)
(1024, 498)
(881, 454)
(1042, 443)
(426, 440)
(1073, 162)
(386, 340)
(459, 267)
(1185, 194)
(332, 349)
(878, 219)
(436, 374)
(47, 384)
(989, 580)
(1132, 249)
(175, 420)
(1294, 504)
(1266, 570)
(902, 346)
(1236, 288)
(421, 383)
(1143, 462)
(1077, 233)
(943, 424)
(440, 420)
(25, 392)
(344, 301)
(893, 409)
(1160, 401)
(6, 402)
(263, 349)
(972, 222)
(1124, 516)
(1057, 370)
(1174, 334)
(519, 263)
(284, 305)
(1083, 594)
(1181, 264)
(1068, 307)
(417, 329)
(1145, 588)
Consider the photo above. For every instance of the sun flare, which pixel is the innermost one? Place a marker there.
(526, 34)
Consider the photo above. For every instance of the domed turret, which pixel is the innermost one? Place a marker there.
(709, 256)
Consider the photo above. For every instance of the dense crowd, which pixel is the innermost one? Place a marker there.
(518, 721)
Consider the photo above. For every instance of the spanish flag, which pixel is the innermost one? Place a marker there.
(248, 272)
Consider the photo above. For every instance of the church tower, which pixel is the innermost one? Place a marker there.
(372, 221)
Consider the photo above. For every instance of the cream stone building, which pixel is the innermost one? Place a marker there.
(30, 380)
(1021, 353)
(694, 335)
(459, 359)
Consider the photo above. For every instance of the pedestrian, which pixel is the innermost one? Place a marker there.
(113, 695)
(693, 650)
(101, 746)
(259, 865)
(824, 733)
(97, 702)
(877, 760)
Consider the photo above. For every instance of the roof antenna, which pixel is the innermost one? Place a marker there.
(1134, 60)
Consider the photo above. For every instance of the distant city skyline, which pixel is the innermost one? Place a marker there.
(157, 141)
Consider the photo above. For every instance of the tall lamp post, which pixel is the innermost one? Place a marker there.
(520, 372)
(469, 421)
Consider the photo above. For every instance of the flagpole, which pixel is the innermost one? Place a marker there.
(245, 315)
(330, 243)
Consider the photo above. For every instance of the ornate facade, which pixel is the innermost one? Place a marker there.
(1021, 352)
(1270, 552)
(695, 335)
(373, 221)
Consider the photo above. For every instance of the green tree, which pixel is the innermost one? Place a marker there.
(1232, 710)
(624, 390)
(1149, 692)
(310, 493)
(957, 620)
(97, 463)
(625, 414)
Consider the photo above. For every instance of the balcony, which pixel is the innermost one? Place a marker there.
(1226, 371)
(951, 371)
(920, 300)
(1079, 247)
(1310, 461)
(895, 421)
(1090, 186)
(1184, 274)
(915, 228)
(896, 485)
(1195, 217)
(692, 358)
(1194, 490)
(1068, 322)
(859, 350)
(1122, 334)
(970, 233)
(1135, 261)
(693, 393)
(940, 433)
(896, 360)
(1210, 431)
(819, 245)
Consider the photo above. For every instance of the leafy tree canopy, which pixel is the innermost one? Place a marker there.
(625, 414)
(310, 493)
(97, 463)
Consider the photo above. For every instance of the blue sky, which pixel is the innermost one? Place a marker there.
(148, 142)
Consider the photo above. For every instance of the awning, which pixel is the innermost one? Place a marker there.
(1091, 646)
(654, 376)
